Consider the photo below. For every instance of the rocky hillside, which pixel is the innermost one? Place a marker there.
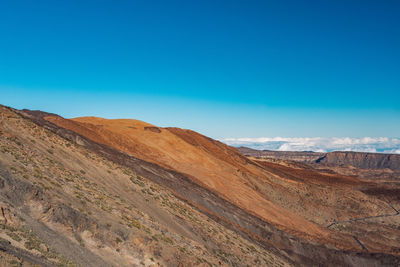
(97, 192)
(64, 203)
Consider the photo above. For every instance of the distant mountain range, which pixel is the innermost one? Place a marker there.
(355, 159)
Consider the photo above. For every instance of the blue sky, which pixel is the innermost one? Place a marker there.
(223, 68)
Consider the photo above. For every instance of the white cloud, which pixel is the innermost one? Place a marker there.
(320, 144)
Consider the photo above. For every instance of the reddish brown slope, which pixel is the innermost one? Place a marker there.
(168, 149)
(221, 169)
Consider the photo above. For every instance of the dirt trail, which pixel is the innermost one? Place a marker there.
(397, 212)
(369, 217)
(360, 243)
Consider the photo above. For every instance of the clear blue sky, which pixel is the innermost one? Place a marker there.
(223, 68)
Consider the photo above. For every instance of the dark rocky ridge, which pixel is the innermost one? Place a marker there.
(356, 159)
(362, 160)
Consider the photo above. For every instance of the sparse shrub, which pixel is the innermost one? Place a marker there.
(164, 238)
(137, 181)
(168, 240)
(14, 236)
(38, 173)
(45, 187)
(32, 243)
(80, 241)
(135, 223)
(14, 263)
(251, 248)
(127, 172)
(54, 183)
(4, 242)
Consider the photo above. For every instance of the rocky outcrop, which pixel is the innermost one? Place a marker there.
(300, 156)
(6, 216)
(152, 129)
(362, 160)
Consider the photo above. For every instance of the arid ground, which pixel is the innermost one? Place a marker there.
(95, 192)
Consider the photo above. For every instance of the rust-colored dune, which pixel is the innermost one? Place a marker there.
(254, 187)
